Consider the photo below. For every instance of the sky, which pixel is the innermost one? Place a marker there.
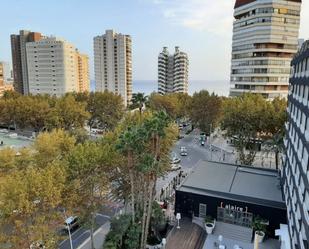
(202, 28)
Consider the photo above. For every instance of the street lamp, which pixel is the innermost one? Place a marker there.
(68, 228)
(178, 217)
(164, 242)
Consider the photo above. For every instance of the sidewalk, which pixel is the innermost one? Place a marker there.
(99, 237)
(262, 159)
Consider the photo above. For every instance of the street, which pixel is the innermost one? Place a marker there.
(214, 150)
(81, 234)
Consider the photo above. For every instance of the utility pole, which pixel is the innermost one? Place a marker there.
(68, 228)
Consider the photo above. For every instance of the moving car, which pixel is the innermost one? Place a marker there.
(183, 151)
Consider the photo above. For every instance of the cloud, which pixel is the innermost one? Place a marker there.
(214, 16)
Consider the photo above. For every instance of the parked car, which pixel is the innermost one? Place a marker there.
(183, 151)
(71, 223)
(37, 245)
(180, 136)
(175, 167)
(175, 160)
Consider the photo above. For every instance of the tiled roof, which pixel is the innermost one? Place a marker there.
(240, 3)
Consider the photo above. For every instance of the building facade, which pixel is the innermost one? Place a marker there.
(172, 72)
(113, 64)
(52, 67)
(19, 58)
(5, 78)
(232, 194)
(83, 72)
(1, 76)
(296, 167)
(265, 38)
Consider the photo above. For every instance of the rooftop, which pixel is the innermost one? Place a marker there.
(246, 184)
(240, 3)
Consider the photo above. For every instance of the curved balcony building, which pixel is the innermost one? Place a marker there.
(265, 39)
(172, 72)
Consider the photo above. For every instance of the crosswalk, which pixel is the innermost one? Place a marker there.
(113, 200)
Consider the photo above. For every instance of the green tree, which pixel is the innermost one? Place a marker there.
(106, 110)
(138, 101)
(130, 143)
(169, 103)
(51, 146)
(86, 167)
(205, 110)
(245, 118)
(152, 162)
(184, 104)
(28, 200)
(68, 114)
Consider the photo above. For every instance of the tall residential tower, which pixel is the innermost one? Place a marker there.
(19, 58)
(296, 167)
(83, 77)
(172, 72)
(265, 38)
(113, 64)
(55, 67)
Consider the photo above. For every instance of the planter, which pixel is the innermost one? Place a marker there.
(259, 236)
(209, 227)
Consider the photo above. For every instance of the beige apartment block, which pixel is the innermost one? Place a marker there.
(265, 39)
(113, 64)
(4, 84)
(52, 67)
(83, 79)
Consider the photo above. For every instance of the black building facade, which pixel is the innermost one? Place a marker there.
(296, 167)
(233, 194)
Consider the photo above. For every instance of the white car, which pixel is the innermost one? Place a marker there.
(37, 245)
(183, 151)
(175, 160)
(175, 167)
(71, 223)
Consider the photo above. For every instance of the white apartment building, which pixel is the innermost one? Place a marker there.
(265, 38)
(172, 72)
(52, 67)
(113, 64)
(7, 72)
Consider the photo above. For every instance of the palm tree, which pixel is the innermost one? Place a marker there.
(130, 143)
(276, 145)
(139, 100)
(155, 128)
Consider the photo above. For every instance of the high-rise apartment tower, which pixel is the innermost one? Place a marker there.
(265, 38)
(19, 58)
(83, 72)
(172, 72)
(113, 64)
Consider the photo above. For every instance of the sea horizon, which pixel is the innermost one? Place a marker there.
(219, 87)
